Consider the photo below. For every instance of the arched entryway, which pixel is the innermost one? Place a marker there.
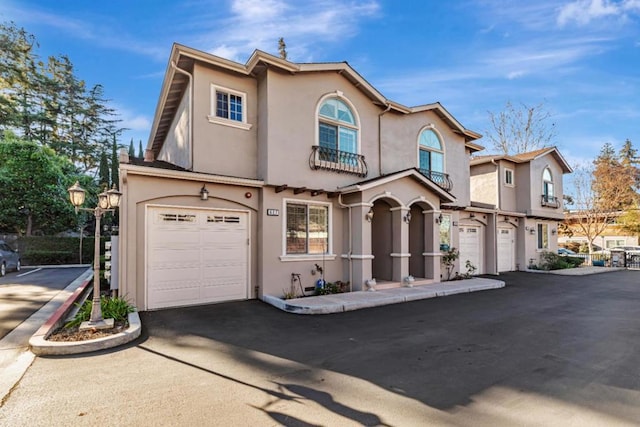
(382, 240)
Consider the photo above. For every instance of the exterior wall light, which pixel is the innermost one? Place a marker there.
(369, 215)
(204, 193)
(407, 217)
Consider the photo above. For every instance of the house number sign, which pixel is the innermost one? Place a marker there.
(273, 212)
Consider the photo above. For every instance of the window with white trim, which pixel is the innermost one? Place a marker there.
(547, 184)
(445, 233)
(228, 107)
(337, 131)
(431, 154)
(543, 236)
(508, 176)
(307, 228)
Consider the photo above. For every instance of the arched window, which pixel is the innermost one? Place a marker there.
(337, 131)
(431, 154)
(547, 186)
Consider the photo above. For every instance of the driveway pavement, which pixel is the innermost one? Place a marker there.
(544, 350)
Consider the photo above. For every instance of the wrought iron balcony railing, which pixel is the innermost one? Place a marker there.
(439, 178)
(323, 158)
(550, 201)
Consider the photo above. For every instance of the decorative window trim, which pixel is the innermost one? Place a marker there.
(213, 118)
(329, 255)
(507, 172)
(540, 232)
(432, 128)
(357, 127)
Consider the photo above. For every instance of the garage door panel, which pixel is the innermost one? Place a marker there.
(506, 249)
(470, 247)
(196, 257)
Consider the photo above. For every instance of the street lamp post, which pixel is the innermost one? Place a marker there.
(108, 201)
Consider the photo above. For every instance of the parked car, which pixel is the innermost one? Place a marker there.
(565, 251)
(9, 258)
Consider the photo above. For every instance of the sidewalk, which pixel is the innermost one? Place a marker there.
(337, 303)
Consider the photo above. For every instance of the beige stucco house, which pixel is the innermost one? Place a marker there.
(525, 192)
(257, 174)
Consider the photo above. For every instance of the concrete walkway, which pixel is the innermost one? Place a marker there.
(337, 303)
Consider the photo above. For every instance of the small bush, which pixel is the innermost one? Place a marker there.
(112, 308)
(552, 261)
(333, 288)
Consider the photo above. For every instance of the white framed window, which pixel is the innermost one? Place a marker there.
(337, 131)
(508, 177)
(430, 152)
(547, 184)
(445, 233)
(307, 230)
(543, 236)
(228, 107)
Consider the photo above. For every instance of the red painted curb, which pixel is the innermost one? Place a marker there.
(62, 311)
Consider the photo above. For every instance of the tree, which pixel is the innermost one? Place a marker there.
(282, 48)
(115, 161)
(615, 179)
(132, 151)
(521, 128)
(103, 177)
(140, 152)
(34, 182)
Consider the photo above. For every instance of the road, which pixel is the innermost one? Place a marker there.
(544, 350)
(25, 292)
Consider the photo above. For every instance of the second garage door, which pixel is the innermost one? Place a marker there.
(196, 256)
(470, 248)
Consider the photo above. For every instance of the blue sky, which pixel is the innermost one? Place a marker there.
(580, 58)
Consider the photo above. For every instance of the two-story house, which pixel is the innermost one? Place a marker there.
(523, 193)
(259, 175)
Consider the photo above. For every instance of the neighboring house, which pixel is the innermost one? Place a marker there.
(613, 235)
(257, 174)
(525, 192)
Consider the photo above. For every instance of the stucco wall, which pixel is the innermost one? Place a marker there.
(218, 148)
(483, 183)
(177, 147)
(400, 133)
(292, 129)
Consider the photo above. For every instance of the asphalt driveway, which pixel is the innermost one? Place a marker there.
(545, 350)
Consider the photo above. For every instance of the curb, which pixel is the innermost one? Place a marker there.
(40, 346)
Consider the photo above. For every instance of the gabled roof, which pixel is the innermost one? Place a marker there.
(181, 63)
(524, 158)
(444, 195)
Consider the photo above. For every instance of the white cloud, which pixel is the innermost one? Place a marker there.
(258, 24)
(583, 12)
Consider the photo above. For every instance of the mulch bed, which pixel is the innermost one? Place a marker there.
(73, 334)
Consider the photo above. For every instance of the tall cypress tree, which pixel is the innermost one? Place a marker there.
(115, 176)
(132, 151)
(103, 170)
(140, 152)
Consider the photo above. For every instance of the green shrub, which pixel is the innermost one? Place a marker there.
(34, 249)
(553, 261)
(112, 308)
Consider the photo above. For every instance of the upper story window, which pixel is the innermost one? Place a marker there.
(508, 176)
(337, 129)
(547, 183)
(228, 107)
(431, 154)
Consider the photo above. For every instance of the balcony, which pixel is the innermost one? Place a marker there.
(323, 158)
(549, 201)
(439, 178)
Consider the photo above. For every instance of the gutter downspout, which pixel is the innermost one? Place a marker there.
(190, 113)
(342, 205)
(495, 216)
(380, 138)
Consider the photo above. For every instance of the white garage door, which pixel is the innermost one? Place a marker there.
(470, 248)
(196, 256)
(506, 249)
